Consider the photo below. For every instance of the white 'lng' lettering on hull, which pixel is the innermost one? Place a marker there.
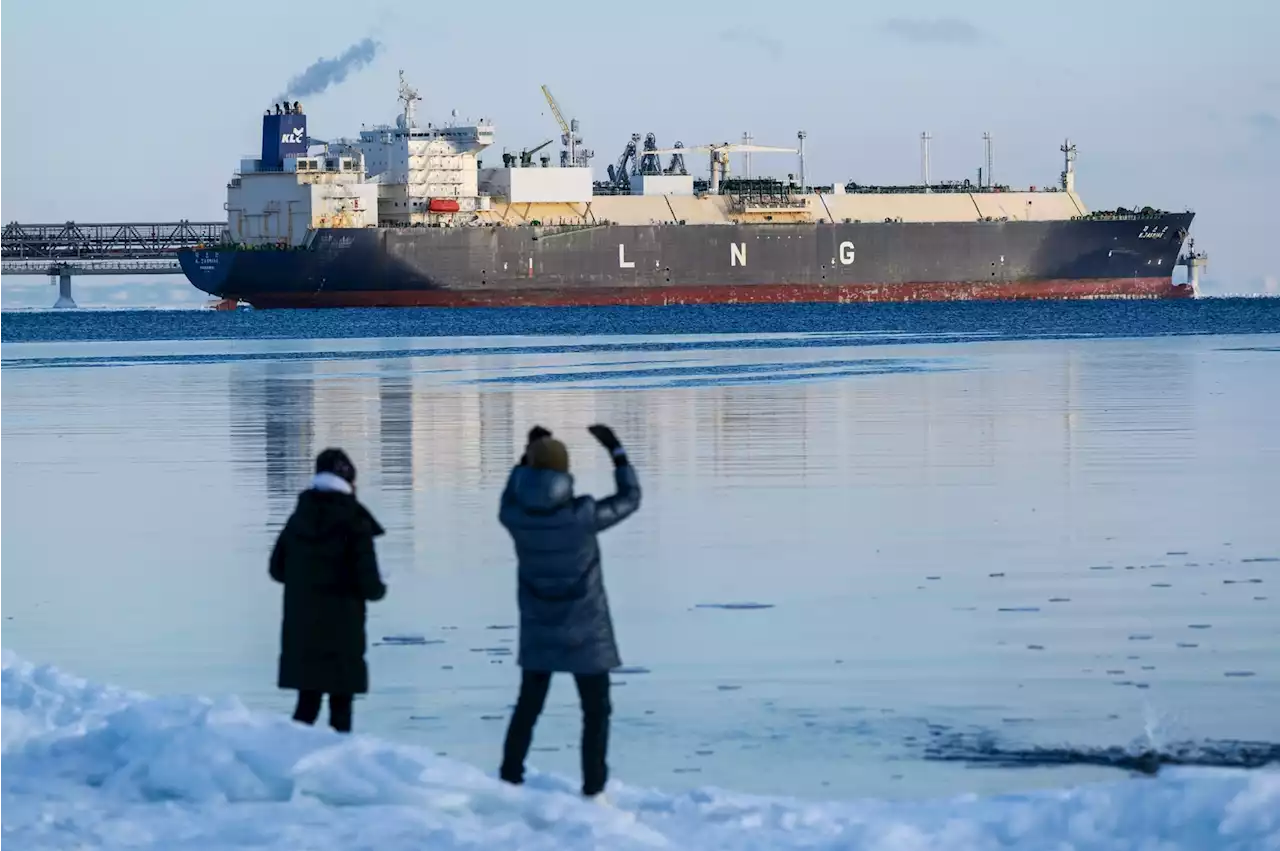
(846, 253)
(737, 254)
(623, 262)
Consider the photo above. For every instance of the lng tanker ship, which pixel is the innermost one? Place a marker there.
(408, 215)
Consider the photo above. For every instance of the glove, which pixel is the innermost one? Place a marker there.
(605, 435)
(535, 433)
(609, 441)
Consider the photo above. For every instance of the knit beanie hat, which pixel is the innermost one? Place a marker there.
(336, 461)
(547, 453)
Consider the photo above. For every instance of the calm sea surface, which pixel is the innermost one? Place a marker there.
(1036, 525)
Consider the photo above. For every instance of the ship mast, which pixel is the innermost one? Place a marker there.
(801, 135)
(1069, 166)
(986, 138)
(408, 95)
(924, 159)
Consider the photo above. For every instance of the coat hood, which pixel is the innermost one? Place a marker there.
(322, 513)
(541, 490)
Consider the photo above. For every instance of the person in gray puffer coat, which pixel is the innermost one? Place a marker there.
(564, 614)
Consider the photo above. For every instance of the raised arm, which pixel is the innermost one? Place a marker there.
(614, 509)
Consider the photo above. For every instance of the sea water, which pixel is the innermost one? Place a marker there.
(878, 544)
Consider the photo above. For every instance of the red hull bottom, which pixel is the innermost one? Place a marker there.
(1146, 288)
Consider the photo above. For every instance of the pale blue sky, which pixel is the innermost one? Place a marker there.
(140, 110)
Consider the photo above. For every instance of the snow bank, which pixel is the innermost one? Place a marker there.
(87, 766)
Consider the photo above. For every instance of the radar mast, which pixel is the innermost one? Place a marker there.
(408, 96)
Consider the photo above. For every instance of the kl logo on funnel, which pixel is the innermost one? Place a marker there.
(294, 137)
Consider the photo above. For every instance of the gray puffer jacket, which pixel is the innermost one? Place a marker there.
(564, 614)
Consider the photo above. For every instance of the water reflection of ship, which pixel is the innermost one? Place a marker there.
(284, 412)
(272, 430)
(402, 440)
(460, 437)
(428, 446)
(395, 428)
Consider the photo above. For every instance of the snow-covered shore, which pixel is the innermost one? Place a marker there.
(92, 766)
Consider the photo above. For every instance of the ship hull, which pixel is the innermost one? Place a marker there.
(1129, 257)
(1138, 288)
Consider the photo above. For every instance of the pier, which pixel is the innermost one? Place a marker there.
(131, 248)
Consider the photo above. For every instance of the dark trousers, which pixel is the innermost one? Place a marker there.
(593, 693)
(339, 709)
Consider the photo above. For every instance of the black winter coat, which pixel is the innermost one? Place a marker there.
(325, 558)
(564, 614)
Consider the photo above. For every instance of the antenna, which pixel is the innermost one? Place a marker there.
(746, 155)
(408, 95)
(986, 137)
(924, 158)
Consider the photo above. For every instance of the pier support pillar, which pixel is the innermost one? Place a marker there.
(64, 289)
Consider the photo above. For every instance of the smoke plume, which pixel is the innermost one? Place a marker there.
(934, 30)
(323, 73)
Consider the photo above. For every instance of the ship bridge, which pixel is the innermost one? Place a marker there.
(422, 172)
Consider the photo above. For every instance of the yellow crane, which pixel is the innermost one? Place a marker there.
(573, 154)
(555, 110)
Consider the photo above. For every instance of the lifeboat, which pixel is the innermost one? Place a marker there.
(442, 205)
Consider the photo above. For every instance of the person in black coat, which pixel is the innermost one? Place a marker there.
(324, 557)
(565, 624)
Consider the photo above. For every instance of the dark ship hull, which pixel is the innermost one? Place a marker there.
(1088, 257)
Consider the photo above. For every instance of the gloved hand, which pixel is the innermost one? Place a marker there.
(609, 441)
(535, 433)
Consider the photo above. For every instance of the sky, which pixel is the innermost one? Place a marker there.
(140, 110)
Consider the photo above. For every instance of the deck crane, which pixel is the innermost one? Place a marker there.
(619, 175)
(720, 157)
(676, 166)
(573, 154)
(525, 157)
(650, 163)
